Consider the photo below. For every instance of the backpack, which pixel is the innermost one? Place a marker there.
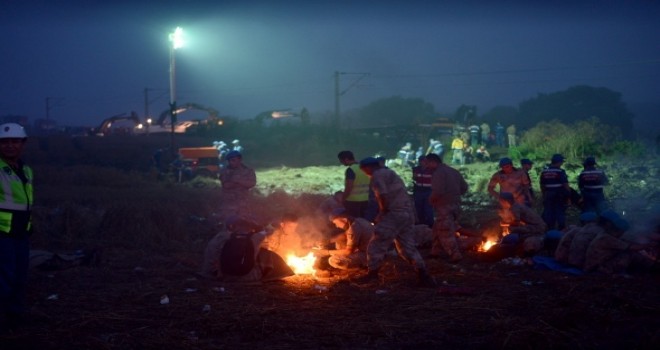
(237, 257)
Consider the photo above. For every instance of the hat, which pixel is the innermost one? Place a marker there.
(505, 161)
(616, 220)
(525, 161)
(369, 161)
(588, 216)
(233, 154)
(589, 161)
(507, 196)
(556, 158)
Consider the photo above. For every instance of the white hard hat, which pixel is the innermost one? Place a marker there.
(12, 131)
(235, 141)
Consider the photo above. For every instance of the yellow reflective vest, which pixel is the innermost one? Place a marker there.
(360, 191)
(16, 197)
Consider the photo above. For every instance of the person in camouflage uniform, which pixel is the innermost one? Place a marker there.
(358, 232)
(525, 223)
(394, 223)
(237, 181)
(510, 180)
(608, 252)
(447, 187)
(573, 244)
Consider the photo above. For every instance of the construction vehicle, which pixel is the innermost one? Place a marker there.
(200, 161)
(120, 124)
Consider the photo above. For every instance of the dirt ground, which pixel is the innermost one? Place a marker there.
(118, 305)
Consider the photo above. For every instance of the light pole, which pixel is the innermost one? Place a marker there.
(176, 42)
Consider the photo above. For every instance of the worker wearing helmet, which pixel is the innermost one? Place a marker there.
(15, 222)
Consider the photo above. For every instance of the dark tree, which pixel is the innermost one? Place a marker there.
(577, 103)
(397, 110)
(505, 115)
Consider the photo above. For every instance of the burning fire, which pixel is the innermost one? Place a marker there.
(301, 265)
(485, 246)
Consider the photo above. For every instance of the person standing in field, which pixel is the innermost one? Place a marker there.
(16, 199)
(394, 223)
(356, 186)
(237, 181)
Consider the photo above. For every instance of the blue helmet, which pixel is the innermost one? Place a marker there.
(505, 161)
(233, 154)
(557, 158)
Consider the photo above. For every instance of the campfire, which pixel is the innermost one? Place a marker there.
(491, 241)
(301, 265)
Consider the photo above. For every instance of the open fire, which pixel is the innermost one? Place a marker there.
(302, 265)
(491, 241)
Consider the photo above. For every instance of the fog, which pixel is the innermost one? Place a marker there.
(93, 60)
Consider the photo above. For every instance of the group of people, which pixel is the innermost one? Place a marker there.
(224, 149)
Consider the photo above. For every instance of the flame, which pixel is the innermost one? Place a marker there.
(301, 265)
(485, 246)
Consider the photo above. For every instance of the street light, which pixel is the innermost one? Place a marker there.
(176, 42)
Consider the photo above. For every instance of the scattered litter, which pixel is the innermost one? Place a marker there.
(381, 291)
(164, 300)
(206, 309)
(191, 279)
(51, 276)
(527, 283)
(320, 288)
(138, 269)
(218, 289)
(190, 290)
(192, 335)
(53, 297)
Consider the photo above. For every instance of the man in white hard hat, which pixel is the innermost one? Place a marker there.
(15, 223)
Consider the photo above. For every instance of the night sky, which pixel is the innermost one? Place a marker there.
(94, 59)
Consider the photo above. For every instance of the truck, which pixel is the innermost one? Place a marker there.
(200, 161)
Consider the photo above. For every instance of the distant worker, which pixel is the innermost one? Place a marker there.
(556, 192)
(485, 134)
(394, 223)
(436, 146)
(421, 177)
(474, 135)
(482, 154)
(15, 223)
(419, 153)
(447, 187)
(237, 181)
(457, 146)
(236, 146)
(499, 135)
(591, 182)
(510, 180)
(405, 154)
(356, 186)
(511, 134)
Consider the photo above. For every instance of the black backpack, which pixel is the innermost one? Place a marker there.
(237, 257)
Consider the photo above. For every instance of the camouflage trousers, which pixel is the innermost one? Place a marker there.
(394, 227)
(444, 231)
(234, 203)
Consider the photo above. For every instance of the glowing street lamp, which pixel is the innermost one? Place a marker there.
(176, 42)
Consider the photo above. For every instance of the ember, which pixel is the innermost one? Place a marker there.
(302, 265)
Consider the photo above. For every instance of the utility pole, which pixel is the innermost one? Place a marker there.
(339, 93)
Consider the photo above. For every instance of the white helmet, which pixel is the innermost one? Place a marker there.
(235, 141)
(12, 131)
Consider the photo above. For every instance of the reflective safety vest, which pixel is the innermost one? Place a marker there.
(16, 197)
(553, 178)
(592, 180)
(360, 191)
